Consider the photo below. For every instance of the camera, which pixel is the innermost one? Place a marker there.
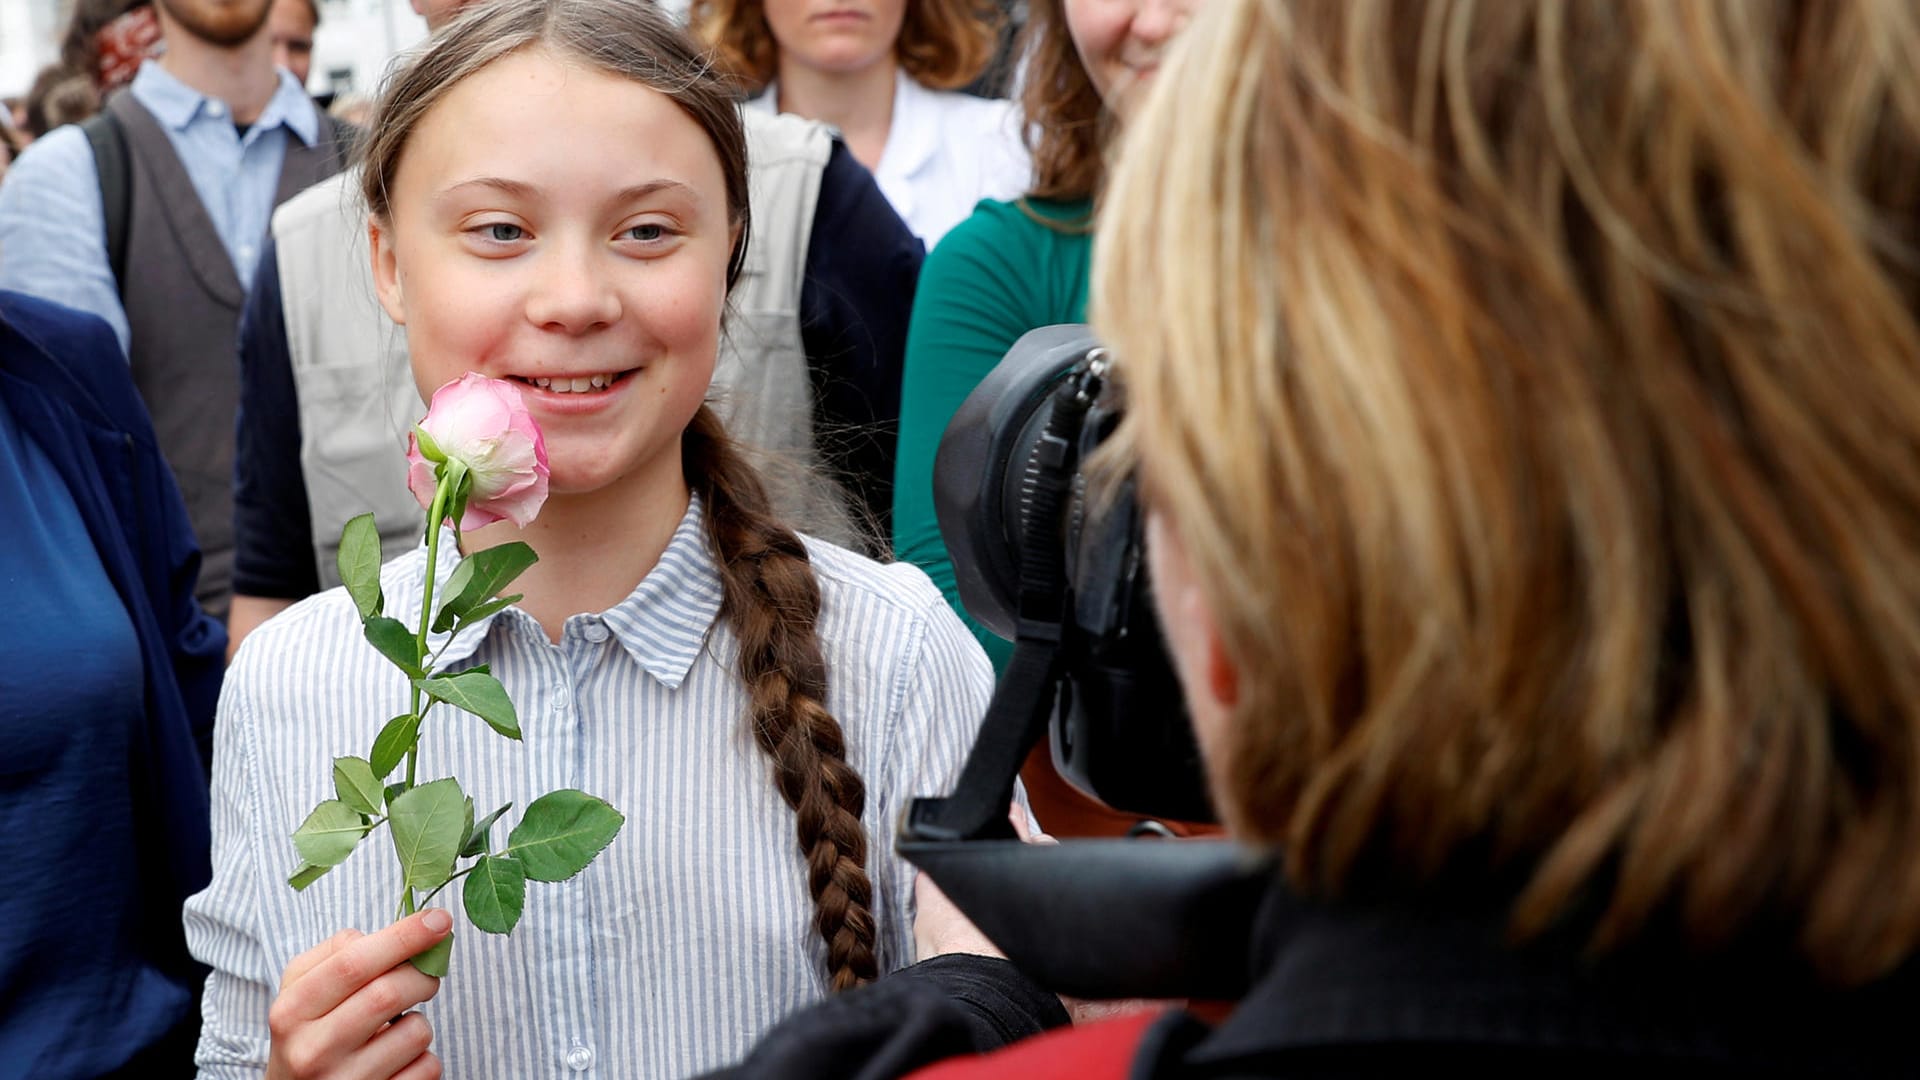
(1014, 497)
(1051, 556)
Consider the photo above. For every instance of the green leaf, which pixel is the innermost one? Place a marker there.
(561, 833)
(477, 836)
(329, 834)
(434, 961)
(359, 561)
(478, 577)
(397, 789)
(353, 778)
(306, 875)
(428, 825)
(428, 448)
(391, 745)
(395, 642)
(495, 892)
(478, 693)
(481, 611)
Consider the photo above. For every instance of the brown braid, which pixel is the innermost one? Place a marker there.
(772, 601)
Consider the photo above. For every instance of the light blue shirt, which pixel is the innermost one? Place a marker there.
(692, 932)
(53, 230)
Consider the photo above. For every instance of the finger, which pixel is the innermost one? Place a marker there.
(1026, 828)
(381, 1002)
(307, 961)
(424, 1067)
(396, 1052)
(359, 962)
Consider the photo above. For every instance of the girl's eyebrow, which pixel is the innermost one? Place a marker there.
(521, 190)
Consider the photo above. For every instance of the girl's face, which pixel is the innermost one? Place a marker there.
(1120, 43)
(835, 36)
(567, 229)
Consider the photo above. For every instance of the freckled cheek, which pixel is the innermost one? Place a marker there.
(454, 333)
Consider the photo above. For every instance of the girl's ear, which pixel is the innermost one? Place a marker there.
(386, 270)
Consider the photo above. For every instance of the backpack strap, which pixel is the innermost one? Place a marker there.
(109, 142)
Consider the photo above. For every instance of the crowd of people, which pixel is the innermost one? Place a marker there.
(1524, 400)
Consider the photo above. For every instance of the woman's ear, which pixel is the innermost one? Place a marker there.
(386, 270)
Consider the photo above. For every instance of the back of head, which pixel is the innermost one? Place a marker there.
(1536, 388)
(59, 95)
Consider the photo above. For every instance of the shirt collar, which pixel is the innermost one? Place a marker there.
(663, 623)
(177, 105)
(913, 137)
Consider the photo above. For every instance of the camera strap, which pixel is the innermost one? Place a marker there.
(1024, 698)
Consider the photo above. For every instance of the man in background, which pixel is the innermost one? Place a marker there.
(153, 219)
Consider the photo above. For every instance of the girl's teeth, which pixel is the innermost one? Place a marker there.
(574, 385)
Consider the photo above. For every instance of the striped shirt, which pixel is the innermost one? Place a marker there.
(691, 934)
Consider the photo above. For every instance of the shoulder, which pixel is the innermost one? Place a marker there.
(1027, 224)
(773, 137)
(68, 352)
(71, 338)
(998, 241)
(853, 579)
(890, 622)
(61, 156)
(333, 204)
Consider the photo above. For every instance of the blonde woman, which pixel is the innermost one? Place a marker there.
(1528, 401)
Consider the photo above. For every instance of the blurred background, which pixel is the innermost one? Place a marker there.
(351, 47)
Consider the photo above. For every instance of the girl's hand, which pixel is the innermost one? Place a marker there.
(339, 1011)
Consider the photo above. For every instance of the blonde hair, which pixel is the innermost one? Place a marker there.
(944, 44)
(1536, 387)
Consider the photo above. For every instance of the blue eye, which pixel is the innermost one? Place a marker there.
(504, 232)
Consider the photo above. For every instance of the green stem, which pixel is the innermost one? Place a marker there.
(441, 492)
(428, 899)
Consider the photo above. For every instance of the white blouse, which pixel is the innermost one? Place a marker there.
(945, 152)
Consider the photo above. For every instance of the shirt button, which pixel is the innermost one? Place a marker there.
(595, 631)
(579, 1059)
(559, 698)
(216, 109)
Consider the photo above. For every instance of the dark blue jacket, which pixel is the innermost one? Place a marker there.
(66, 384)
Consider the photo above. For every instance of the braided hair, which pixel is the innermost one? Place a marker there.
(772, 600)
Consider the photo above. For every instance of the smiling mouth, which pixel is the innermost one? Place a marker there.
(576, 384)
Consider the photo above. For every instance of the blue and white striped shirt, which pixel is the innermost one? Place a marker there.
(691, 934)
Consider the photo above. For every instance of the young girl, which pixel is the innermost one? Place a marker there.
(558, 197)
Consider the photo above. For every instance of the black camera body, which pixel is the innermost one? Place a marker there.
(1056, 563)
(1119, 729)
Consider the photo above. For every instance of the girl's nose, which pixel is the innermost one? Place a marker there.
(573, 293)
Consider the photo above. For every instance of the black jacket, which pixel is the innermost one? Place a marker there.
(1371, 990)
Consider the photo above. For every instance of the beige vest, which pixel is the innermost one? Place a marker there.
(356, 390)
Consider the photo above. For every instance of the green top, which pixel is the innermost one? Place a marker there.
(995, 276)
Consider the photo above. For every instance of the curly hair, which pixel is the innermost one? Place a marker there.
(944, 44)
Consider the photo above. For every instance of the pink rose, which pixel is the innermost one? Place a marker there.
(483, 424)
